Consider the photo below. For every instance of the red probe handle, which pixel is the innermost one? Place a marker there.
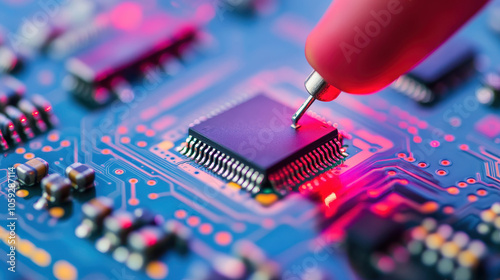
(362, 46)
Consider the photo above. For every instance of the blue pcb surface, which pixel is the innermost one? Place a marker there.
(442, 159)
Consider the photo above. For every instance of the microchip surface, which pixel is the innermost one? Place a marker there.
(253, 144)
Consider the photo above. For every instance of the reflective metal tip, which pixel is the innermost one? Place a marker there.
(296, 117)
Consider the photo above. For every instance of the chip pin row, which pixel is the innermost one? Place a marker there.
(222, 164)
(313, 162)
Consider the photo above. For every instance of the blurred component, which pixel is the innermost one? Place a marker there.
(56, 189)
(490, 224)
(226, 267)
(9, 130)
(81, 176)
(147, 244)
(258, 265)
(361, 246)
(489, 93)
(45, 108)
(9, 61)
(445, 69)
(62, 22)
(70, 41)
(426, 251)
(448, 253)
(94, 213)
(100, 73)
(11, 91)
(32, 172)
(119, 225)
(180, 233)
(20, 121)
(33, 114)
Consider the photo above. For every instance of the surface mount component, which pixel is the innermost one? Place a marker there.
(21, 122)
(433, 78)
(489, 92)
(107, 68)
(56, 189)
(33, 114)
(11, 91)
(81, 176)
(32, 172)
(254, 145)
(9, 130)
(94, 213)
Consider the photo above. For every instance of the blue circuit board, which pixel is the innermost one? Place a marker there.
(440, 161)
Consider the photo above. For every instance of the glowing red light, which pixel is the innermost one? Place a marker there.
(422, 164)
(11, 126)
(35, 113)
(23, 119)
(48, 108)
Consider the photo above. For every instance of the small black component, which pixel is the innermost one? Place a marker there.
(9, 130)
(81, 176)
(146, 244)
(144, 217)
(94, 213)
(254, 145)
(446, 68)
(489, 92)
(102, 72)
(32, 172)
(180, 233)
(21, 122)
(45, 109)
(56, 189)
(33, 114)
(11, 91)
(119, 225)
(360, 245)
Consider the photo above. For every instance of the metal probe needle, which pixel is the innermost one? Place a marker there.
(301, 111)
(317, 88)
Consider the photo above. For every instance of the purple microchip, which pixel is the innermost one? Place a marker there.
(253, 144)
